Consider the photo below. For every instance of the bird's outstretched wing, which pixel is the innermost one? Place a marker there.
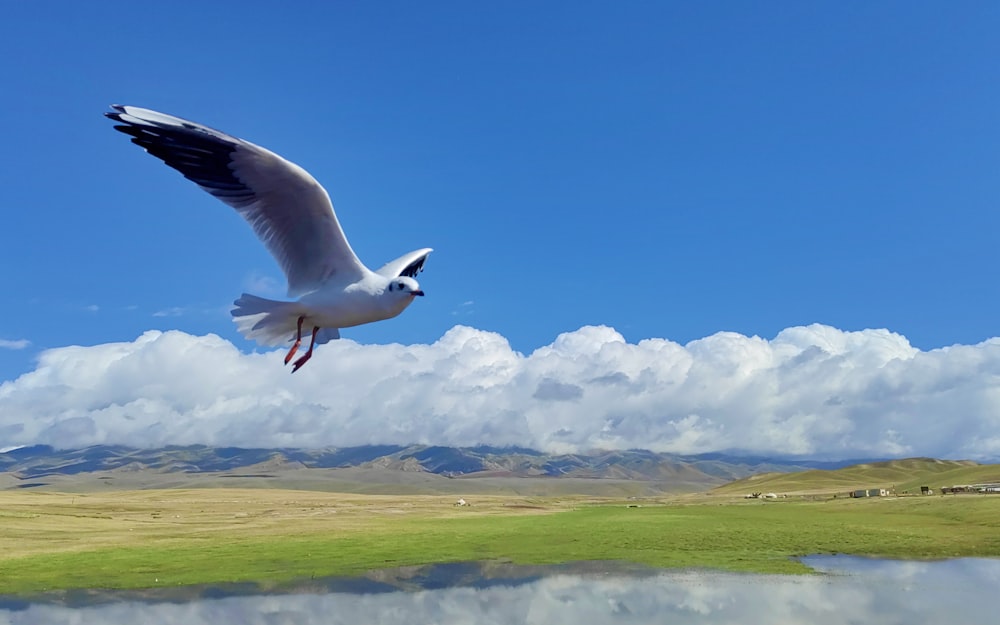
(287, 208)
(409, 264)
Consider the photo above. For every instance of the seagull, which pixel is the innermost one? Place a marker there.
(292, 215)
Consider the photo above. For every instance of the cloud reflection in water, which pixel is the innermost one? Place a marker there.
(856, 591)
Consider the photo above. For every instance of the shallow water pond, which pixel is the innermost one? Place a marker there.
(850, 590)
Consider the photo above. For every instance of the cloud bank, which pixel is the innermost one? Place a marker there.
(815, 391)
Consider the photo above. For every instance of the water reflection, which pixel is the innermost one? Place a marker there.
(856, 590)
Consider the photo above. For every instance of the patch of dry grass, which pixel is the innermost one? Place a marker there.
(47, 522)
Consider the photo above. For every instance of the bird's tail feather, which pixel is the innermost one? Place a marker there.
(266, 321)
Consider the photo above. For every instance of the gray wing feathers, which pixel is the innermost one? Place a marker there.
(286, 207)
(293, 216)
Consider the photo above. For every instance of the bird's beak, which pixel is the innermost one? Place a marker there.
(420, 293)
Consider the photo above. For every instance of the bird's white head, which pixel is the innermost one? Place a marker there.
(404, 287)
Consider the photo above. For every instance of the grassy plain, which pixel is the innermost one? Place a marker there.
(142, 539)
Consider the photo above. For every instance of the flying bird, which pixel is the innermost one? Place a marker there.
(292, 215)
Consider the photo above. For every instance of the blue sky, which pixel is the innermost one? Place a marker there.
(669, 170)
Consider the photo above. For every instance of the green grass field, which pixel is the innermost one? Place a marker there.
(140, 539)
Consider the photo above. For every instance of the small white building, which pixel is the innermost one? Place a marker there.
(870, 492)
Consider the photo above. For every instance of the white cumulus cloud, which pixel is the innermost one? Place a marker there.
(812, 390)
(14, 343)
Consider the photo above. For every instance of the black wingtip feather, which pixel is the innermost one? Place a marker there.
(414, 268)
(200, 156)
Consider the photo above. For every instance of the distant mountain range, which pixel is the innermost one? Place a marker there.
(40, 461)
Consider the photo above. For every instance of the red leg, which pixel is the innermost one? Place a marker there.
(298, 341)
(309, 352)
